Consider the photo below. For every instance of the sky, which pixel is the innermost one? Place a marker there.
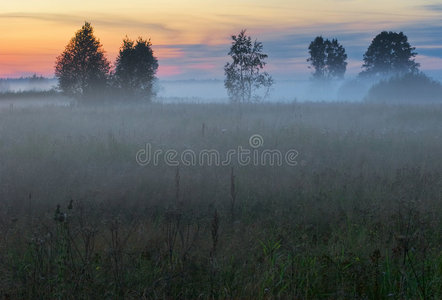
(191, 38)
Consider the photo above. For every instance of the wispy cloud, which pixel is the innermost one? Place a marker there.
(193, 42)
(433, 7)
(430, 62)
(106, 20)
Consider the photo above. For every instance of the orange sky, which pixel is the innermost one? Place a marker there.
(191, 38)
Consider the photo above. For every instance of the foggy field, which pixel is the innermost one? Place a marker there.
(358, 216)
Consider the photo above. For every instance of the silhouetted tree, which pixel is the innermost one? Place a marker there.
(82, 69)
(336, 59)
(318, 57)
(243, 75)
(328, 58)
(389, 53)
(135, 68)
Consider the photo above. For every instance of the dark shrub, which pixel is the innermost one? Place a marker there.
(411, 87)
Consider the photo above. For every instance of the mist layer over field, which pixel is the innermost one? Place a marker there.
(365, 190)
(351, 89)
(193, 90)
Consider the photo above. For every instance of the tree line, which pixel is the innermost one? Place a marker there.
(84, 72)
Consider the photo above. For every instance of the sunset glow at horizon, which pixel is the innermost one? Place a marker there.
(191, 38)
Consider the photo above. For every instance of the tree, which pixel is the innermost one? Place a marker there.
(336, 59)
(388, 54)
(135, 68)
(82, 69)
(243, 75)
(409, 87)
(328, 58)
(318, 57)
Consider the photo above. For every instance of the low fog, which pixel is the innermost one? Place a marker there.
(281, 91)
(352, 89)
(35, 83)
(81, 215)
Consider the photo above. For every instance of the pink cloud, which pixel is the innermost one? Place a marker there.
(164, 52)
(167, 71)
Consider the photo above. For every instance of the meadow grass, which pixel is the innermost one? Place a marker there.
(359, 216)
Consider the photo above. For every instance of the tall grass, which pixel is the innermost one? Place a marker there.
(357, 218)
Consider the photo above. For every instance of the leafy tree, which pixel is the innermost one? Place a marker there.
(328, 58)
(135, 68)
(336, 59)
(389, 53)
(318, 57)
(82, 69)
(243, 75)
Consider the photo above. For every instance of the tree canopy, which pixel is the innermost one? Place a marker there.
(135, 68)
(389, 53)
(244, 75)
(82, 69)
(327, 58)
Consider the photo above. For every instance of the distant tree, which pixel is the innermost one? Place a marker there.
(135, 68)
(244, 75)
(318, 57)
(82, 69)
(336, 59)
(388, 54)
(409, 87)
(328, 58)
(35, 78)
